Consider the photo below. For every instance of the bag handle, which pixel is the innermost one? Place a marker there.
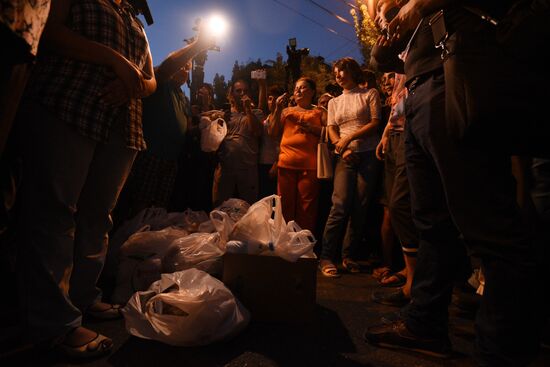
(323, 138)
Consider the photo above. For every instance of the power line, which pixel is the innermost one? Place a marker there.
(312, 20)
(349, 4)
(337, 49)
(341, 19)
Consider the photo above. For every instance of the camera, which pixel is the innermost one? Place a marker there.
(258, 74)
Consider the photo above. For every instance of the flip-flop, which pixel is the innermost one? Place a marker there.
(111, 313)
(399, 281)
(329, 270)
(98, 346)
(351, 266)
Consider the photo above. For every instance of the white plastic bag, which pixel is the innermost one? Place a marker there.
(294, 243)
(186, 308)
(264, 232)
(200, 250)
(189, 252)
(235, 208)
(212, 133)
(260, 227)
(140, 261)
(192, 220)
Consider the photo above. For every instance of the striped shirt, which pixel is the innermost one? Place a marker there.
(71, 89)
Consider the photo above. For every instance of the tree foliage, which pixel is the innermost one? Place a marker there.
(313, 67)
(364, 28)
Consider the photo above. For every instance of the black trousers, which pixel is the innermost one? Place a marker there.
(463, 196)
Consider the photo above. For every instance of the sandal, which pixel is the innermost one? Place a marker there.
(380, 273)
(98, 346)
(351, 266)
(329, 270)
(111, 313)
(399, 281)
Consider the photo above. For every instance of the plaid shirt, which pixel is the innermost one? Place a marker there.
(70, 89)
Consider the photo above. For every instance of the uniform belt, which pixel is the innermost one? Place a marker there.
(417, 80)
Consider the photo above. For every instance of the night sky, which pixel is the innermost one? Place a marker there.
(258, 29)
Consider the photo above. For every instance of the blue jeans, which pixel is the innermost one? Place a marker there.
(354, 185)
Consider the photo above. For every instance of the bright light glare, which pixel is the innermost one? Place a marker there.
(216, 25)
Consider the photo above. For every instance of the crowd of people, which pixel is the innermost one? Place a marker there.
(102, 132)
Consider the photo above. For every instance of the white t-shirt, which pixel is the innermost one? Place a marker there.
(352, 110)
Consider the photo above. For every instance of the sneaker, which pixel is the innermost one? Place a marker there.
(394, 298)
(396, 335)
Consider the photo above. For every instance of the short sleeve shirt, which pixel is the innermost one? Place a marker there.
(240, 147)
(298, 148)
(71, 89)
(352, 110)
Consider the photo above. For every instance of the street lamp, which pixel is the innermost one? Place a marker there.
(292, 42)
(215, 27)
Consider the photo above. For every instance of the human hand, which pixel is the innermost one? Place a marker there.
(406, 20)
(247, 104)
(342, 144)
(384, 8)
(204, 40)
(131, 77)
(282, 101)
(304, 127)
(381, 148)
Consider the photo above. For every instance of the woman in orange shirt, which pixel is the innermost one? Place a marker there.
(301, 126)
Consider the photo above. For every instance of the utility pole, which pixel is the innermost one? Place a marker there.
(294, 61)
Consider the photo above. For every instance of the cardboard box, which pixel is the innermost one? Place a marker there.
(271, 288)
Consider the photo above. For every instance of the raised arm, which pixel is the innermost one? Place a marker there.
(252, 119)
(262, 95)
(178, 59)
(274, 120)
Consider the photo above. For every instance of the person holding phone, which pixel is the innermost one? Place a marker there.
(269, 147)
(236, 174)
